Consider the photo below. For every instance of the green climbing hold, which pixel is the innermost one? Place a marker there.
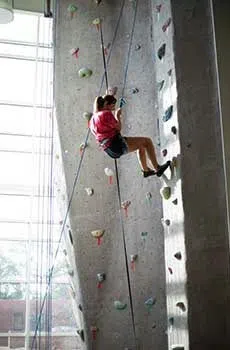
(85, 72)
(87, 115)
(72, 8)
(119, 305)
(144, 234)
(165, 192)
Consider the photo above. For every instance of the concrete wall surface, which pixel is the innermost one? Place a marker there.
(203, 176)
(182, 244)
(74, 96)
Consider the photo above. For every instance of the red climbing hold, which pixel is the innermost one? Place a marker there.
(167, 24)
(125, 206)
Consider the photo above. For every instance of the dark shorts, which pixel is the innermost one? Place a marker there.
(118, 147)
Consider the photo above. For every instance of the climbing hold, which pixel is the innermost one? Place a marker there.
(122, 102)
(100, 278)
(137, 47)
(80, 307)
(72, 9)
(149, 196)
(165, 192)
(150, 302)
(133, 258)
(75, 52)
(110, 174)
(89, 191)
(167, 24)
(174, 162)
(178, 256)
(105, 49)
(85, 72)
(80, 332)
(65, 252)
(169, 72)
(57, 156)
(144, 235)
(160, 85)
(97, 2)
(158, 8)
(119, 305)
(94, 331)
(167, 222)
(154, 325)
(171, 321)
(70, 271)
(174, 130)
(125, 206)
(181, 306)
(176, 347)
(70, 237)
(61, 222)
(164, 152)
(168, 114)
(170, 270)
(97, 23)
(98, 234)
(66, 151)
(161, 51)
(135, 90)
(111, 90)
(87, 115)
(83, 146)
(175, 201)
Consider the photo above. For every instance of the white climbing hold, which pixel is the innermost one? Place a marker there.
(98, 234)
(109, 172)
(89, 191)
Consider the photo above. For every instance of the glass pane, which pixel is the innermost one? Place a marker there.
(18, 50)
(12, 261)
(12, 301)
(24, 144)
(44, 94)
(24, 120)
(15, 85)
(13, 231)
(17, 30)
(45, 30)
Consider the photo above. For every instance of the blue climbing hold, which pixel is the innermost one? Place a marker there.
(168, 114)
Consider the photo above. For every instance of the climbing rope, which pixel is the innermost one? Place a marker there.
(116, 168)
(50, 275)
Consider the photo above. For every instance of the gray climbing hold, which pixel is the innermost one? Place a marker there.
(137, 47)
(169, 72)
(164, 152)
(170, 270)
(119, 305)
(70, 272)
(148, 196)
(101, 277)
(80, 307)
(85, 72)
(167, 222)
(160, 85)
(80, 332)
(175, 201)
(165, 192)
(171, 321)
(178, 256)
(176, 347)
(174, 130)
(166, 24)
(161, 51)
(168, 114)
(135, 90)
(181, 306)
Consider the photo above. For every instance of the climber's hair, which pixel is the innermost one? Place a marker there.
(102, 101)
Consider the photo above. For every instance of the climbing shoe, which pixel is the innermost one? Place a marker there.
(148, 173)
(161, 168)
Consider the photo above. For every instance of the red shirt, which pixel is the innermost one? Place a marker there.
(104, 126)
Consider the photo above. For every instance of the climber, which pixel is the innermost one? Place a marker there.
(106, 127)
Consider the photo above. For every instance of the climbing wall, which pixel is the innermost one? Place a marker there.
(173, 215)
(123, 306)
